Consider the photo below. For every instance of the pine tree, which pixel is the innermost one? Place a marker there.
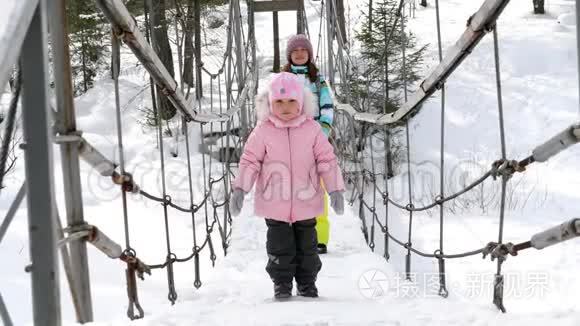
(381, 60)
(87, 30)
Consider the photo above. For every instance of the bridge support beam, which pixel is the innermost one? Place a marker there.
(39, 173)
(65, 125)
(278, 5)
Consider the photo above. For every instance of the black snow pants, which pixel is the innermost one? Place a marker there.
(292, 251)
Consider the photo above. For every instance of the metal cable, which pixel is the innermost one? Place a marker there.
(498, 284)
(372, 243)
(190, 182)
(442, 284)
(225, 162)
(172, 295)
(404, 67)
(437, 253)
(386, 179)
(116, 53)
(440, 201)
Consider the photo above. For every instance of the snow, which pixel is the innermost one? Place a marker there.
(357, 286)
(15, 16)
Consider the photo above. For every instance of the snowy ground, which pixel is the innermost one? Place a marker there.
(357, 287)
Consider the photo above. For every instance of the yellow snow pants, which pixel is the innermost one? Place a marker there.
(322, 225)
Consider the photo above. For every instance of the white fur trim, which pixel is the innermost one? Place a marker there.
(263, 104)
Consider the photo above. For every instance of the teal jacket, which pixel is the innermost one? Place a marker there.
(325, 113)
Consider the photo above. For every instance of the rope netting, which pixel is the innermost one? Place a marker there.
(356, 131)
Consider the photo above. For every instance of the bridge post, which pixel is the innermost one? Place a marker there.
(39, 173)
(66, 126)
(240, 62)
(300, 17)
(330, 38)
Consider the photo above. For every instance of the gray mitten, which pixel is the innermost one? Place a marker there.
(337, 202)
(237, 202)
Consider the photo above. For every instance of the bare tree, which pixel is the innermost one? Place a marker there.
(11, 159)
(11, 134)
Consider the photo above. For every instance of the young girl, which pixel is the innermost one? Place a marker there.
(299, 55)
(286, 155)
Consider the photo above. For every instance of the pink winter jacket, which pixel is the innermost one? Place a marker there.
(286, 161)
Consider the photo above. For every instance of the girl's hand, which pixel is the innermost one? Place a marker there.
(237, 202)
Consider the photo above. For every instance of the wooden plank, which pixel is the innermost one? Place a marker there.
(125, 26)
(487, 13)
(15, 18)
(280, 5)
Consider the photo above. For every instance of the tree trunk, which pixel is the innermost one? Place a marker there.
(84, 62)
(539, 7)
(178, 42)
(197, 21)
(152, 121)
(341, 20)
(390, 172)
(160, 42)
(113, 63)
(188, 46)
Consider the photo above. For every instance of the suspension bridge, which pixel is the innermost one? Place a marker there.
(224, 117)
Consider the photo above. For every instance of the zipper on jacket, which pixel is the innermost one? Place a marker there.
(291, 187)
